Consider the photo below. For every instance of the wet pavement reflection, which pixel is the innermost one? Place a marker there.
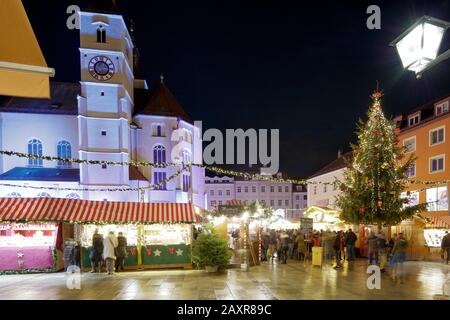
(294, 280)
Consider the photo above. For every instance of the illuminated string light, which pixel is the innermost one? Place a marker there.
(214, 169)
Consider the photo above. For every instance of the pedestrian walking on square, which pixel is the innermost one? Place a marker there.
(373, 248)
(264, 246)
(272, 245)
(350, 241)
(109, 246)
(390, 248)
(290, 243)
(399, 252)
(284, 241)
(96, 252)
(337, 249)
(342, 247)
(121, 252)
(445, 245)
(301, 247)
(382, 250)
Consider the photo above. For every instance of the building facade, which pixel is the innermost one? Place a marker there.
(424, 134)
(276, 195)
(110, 115)
(324, 195)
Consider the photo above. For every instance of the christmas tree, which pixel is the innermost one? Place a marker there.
(376, 175)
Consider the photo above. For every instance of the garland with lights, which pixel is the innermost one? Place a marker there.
(141, 189)
(245, 175)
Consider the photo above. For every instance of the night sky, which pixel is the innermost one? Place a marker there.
(305, 68)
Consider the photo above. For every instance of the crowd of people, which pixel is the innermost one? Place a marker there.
(109, 251)
(295, 245)
(338, 245)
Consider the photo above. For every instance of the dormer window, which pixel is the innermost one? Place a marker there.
(101, 35)
(413, 119)
(441, 108)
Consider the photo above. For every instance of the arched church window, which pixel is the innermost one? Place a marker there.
(64, 150)
(35, 148)
(159, 154)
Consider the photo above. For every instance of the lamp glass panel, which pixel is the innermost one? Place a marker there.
(410, 47)
(431, 40)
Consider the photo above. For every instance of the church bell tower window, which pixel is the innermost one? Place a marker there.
(101, 35)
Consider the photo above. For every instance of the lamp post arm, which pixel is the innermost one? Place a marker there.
(439, 59)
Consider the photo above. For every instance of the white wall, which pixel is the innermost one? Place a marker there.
(317, 195)
(18, 128)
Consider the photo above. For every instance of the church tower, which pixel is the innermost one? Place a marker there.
(105, 105)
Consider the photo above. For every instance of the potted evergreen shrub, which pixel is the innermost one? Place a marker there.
(210, 251)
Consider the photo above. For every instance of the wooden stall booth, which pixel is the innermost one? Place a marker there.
(159, 235)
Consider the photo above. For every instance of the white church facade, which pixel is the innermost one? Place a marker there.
(109, 115)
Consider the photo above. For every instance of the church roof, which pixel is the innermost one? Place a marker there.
(41, 174)
(135, 174)
(63, 100)
(162, 102)
(56, 174)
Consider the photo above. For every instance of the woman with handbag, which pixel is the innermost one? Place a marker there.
(121, 251)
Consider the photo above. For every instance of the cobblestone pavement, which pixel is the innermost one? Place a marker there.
(294, 280)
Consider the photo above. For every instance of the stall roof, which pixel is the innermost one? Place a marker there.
(439, 222)
(86, 211)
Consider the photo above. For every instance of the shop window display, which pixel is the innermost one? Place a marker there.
(27, 246)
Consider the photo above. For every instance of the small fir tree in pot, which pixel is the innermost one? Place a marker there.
(210, 251)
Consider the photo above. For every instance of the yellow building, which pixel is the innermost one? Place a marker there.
(425, 133)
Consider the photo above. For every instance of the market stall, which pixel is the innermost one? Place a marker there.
(325, 218)
(158, 234)
(413, 230)
(26, 247)
(433, 233)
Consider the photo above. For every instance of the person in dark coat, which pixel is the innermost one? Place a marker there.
(96, 252)
(445, 245)
(121, 251)
(350, 241)
(337, 249)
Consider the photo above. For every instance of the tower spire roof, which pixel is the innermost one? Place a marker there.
(164, 103)
(104, 6)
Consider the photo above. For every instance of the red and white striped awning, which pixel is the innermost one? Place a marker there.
(85, 211)
(439, 222)
(235, 202)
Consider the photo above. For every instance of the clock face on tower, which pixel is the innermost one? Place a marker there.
(101, 68)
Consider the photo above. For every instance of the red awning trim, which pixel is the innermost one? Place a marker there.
(439, 222)
(85, 211)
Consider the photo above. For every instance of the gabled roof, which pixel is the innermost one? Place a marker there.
(164, 103)
(63, 100)
(337, 164)
(427, 113)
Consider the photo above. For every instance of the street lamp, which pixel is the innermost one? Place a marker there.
(418, 46)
